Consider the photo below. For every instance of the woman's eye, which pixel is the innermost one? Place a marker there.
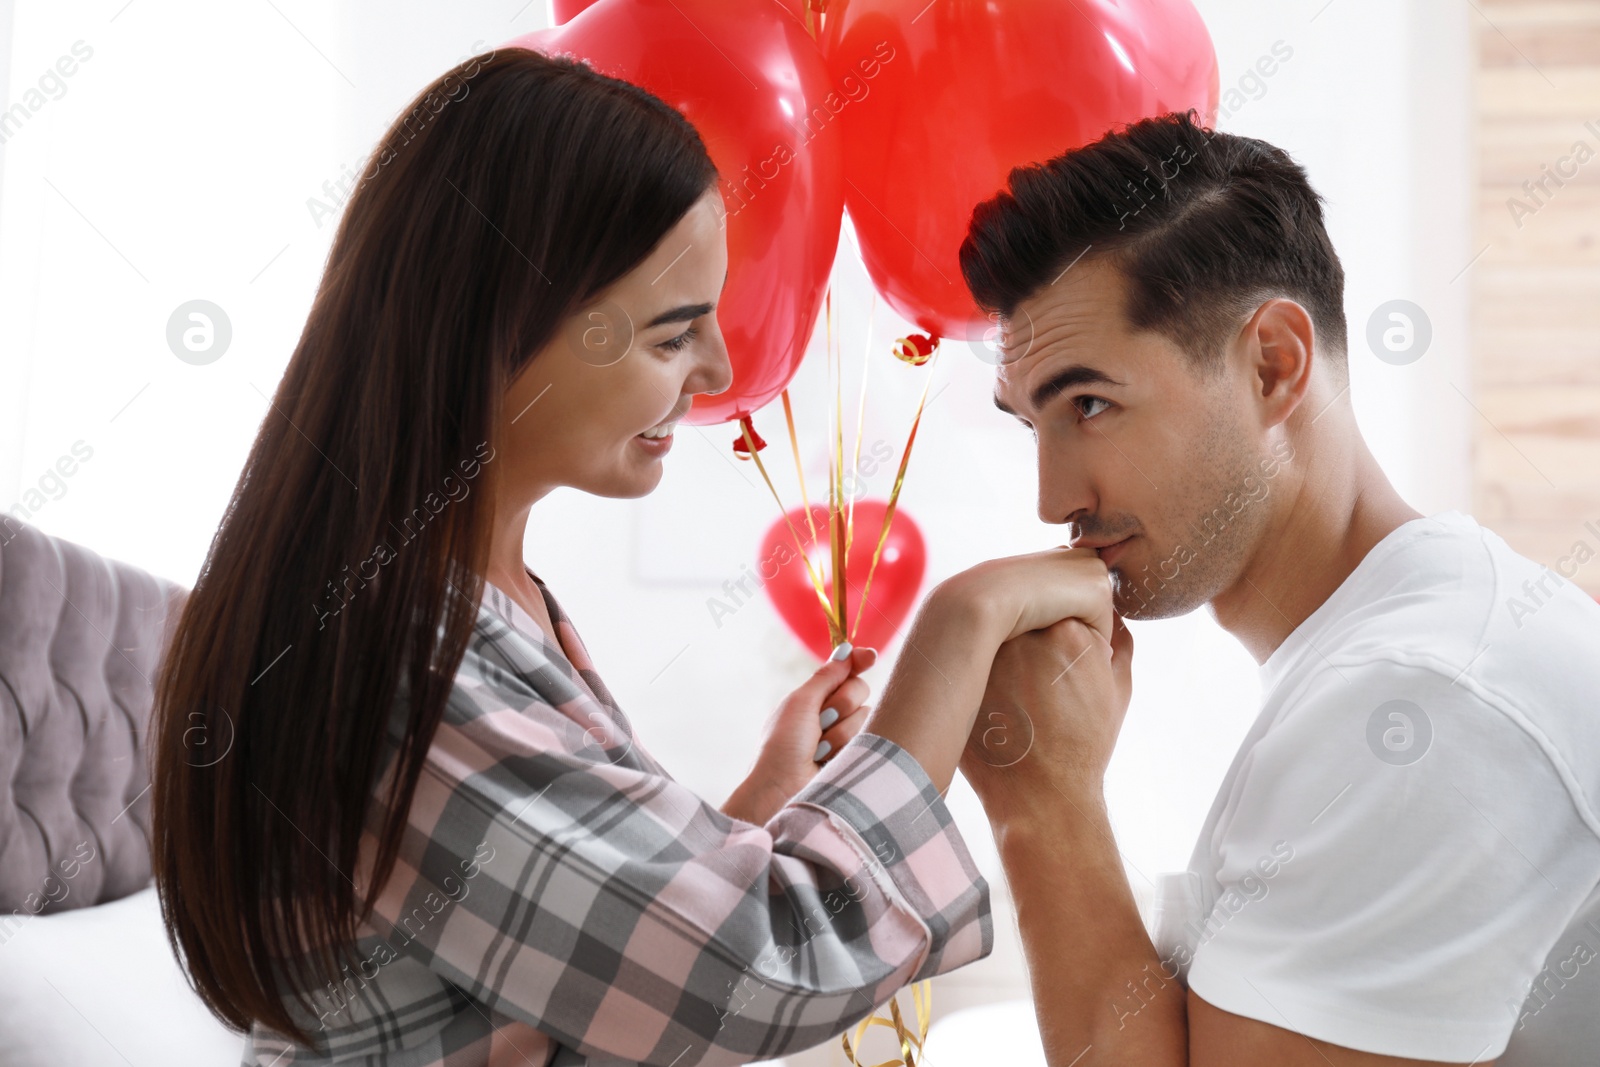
(680, 342)
(1084, 401)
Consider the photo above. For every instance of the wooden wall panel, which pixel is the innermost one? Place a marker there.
(1536, 288)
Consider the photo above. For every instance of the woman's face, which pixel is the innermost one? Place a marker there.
(595, 410)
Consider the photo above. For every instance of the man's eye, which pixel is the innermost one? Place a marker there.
(1084, 401)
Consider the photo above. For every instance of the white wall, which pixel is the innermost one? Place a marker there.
(178, 165)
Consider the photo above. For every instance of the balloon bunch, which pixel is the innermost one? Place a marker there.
(799, 584)
(906, 113)
(738, 72)
(975, 89)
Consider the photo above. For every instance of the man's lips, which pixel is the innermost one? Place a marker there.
(1108, 551)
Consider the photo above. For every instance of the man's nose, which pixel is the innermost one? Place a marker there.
(1065, 488)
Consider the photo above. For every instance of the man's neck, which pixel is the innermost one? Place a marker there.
(1341, 508)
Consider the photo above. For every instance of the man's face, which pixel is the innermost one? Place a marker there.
(1164, 471)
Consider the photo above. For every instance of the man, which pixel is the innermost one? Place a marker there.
(1402, 863)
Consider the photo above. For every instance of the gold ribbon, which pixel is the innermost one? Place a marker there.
(894, 494)
(834, 625)
(910, 1043)
(815, 10)
(841, 513)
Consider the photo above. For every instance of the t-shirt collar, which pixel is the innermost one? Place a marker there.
(1303, 637)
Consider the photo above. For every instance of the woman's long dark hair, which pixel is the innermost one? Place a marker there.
(343, 579)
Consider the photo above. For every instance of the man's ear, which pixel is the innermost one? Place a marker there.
(1279, 342)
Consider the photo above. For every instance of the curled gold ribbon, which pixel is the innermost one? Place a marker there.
(910, 1042)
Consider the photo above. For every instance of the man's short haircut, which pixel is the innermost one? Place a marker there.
(1204, 226)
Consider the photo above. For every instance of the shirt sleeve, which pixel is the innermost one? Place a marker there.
(596, 899)
(1396, 858)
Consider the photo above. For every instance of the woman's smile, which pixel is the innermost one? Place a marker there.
(657, 441)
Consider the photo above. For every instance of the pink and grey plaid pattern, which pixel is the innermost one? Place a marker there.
(560, 900)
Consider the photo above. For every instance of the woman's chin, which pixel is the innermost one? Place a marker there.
(627, 481)
(644, 486)
(635, 470)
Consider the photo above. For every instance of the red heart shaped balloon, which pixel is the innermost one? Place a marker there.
(947, 97)
(894, 584)
(749, 77)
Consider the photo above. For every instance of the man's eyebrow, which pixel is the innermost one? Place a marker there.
(1060, 382)
(686, 313)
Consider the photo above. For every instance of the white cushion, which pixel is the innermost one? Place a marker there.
(100, 986)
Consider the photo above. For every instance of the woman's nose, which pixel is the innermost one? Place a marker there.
(716, 371)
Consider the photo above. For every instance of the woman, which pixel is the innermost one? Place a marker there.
(431, 837)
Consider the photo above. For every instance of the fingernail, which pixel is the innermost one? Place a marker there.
(822, 750)
(829, 717)
(841, 652)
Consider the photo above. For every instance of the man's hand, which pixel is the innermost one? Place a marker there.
(1037, 757)
(1050, 716)
(932, 697)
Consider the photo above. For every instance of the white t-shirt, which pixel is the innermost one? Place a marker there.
(1404, 856)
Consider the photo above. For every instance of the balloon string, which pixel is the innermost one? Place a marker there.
(836, 517)
(861, 423)
(794, 446)
(894, 494)
(834, 626)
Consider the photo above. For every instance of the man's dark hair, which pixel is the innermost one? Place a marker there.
(1204, 226)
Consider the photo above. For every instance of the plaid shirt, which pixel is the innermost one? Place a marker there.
(560, 900)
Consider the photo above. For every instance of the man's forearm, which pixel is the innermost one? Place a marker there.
(1101, 992)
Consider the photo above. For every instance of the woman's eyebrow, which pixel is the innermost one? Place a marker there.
(680, 314)
(686, 313)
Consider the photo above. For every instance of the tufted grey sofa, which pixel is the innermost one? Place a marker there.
(80, 639)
